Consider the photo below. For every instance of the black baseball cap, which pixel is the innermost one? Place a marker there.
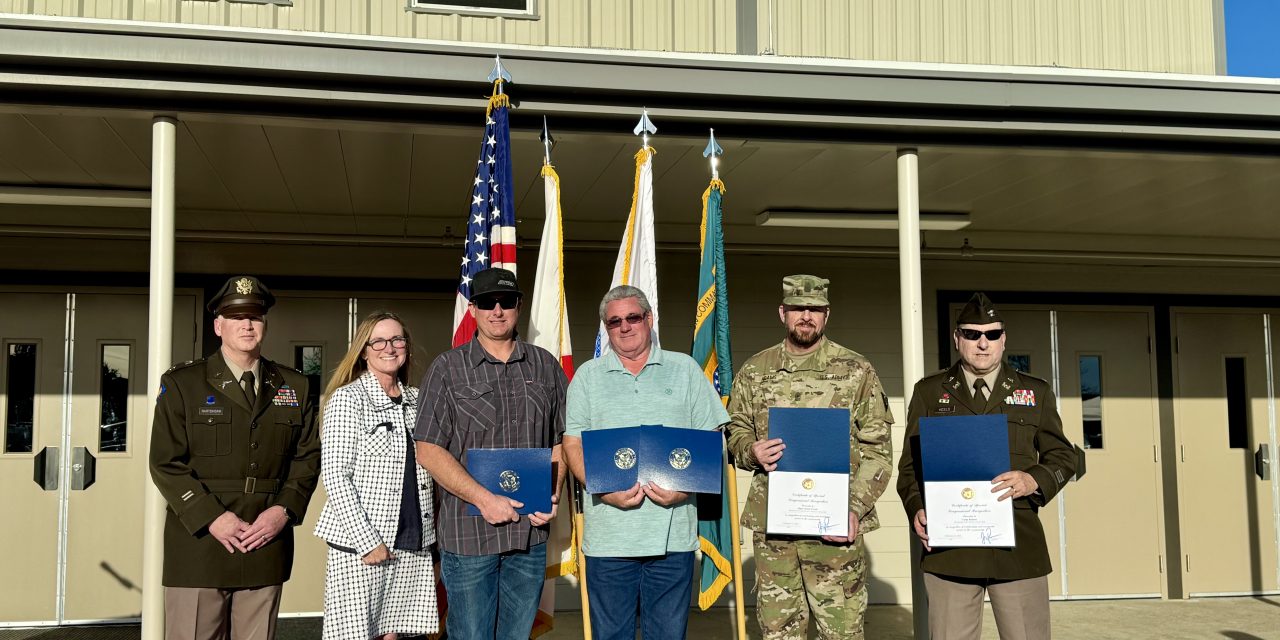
(494, 280)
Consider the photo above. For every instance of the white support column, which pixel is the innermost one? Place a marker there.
(164, 137)
(911, 300)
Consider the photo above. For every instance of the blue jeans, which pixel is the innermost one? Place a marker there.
(493, 597)
(663, 586)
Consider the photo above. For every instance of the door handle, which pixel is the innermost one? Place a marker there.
(46, 468)
(84, 469)
(1262, 462)
(1080, 462)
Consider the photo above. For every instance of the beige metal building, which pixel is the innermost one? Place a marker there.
(1078, 159)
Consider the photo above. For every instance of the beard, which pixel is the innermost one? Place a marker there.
(804, 336)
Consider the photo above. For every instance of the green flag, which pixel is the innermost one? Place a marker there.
(711, 350)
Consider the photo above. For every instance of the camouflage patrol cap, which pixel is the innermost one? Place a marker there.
(241, 294)
(805, 291)
(979, 310)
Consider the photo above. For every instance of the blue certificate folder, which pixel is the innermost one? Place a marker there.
(523, 475)
(963, 448)
(686, 460)
(817, 439)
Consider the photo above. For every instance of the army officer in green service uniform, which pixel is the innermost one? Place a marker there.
(1041, 462)
(235, 452)
(796, 575)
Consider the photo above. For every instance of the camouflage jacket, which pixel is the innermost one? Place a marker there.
(831, 376)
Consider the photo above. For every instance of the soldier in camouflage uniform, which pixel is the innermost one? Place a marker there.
(797, 575)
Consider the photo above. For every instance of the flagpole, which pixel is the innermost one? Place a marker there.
(579, 534)
(736, 531)
(713, 152)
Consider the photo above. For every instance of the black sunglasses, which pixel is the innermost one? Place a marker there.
(633, 319)
(974, 334)
(487, 303)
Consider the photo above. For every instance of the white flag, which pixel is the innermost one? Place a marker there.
(548, 320)
(637, 263)
(549, 329)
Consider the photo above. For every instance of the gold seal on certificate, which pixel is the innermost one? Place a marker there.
(809, 489)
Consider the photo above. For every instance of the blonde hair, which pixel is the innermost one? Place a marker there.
(353, 366)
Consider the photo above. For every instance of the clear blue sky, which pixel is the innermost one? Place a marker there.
(1253, 38)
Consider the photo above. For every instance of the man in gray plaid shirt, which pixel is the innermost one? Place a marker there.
(494, 392)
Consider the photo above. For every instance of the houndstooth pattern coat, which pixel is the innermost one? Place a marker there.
(364, 441)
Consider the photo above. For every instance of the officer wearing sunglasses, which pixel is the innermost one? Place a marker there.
(1041, 461)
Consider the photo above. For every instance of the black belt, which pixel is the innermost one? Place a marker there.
(245, 485)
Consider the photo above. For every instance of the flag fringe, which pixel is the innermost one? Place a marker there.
(706, 195)
(642, 156)
(712, 593)
(549, 171)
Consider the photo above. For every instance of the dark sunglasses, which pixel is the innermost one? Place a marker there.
(974, 334)
(633, 319)
(379, 344)
(487, 303)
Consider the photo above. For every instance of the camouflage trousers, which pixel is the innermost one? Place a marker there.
(797, 576)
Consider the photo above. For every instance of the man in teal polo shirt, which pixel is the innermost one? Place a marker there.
(639, 543)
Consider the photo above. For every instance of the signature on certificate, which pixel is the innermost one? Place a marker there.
(824, 524)
(988, 536)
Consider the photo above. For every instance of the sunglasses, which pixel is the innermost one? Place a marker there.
(633, 319)
(487, 303)
(974, 334)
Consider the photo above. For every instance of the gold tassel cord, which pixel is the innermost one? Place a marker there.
(497, 99)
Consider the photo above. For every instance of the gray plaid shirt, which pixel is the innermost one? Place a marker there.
(470, 400)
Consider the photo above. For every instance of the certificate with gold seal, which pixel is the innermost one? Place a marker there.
(809, 491)
(959, 457)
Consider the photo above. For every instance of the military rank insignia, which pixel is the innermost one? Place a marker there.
(286, 397)
(1021, 397)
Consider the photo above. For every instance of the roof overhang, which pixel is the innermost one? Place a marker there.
(210, 71)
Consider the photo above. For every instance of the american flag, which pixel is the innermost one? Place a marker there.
(491, 223)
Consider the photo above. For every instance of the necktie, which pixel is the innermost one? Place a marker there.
(249, 393)
(979, 392)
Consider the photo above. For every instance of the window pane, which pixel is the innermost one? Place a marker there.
(113, 432)
(1020, 362)
(1237, 405)
(511, 5)
(1091, 400)
(310, 361)
(20, 394)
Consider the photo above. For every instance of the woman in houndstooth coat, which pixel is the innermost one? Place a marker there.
(380, 580)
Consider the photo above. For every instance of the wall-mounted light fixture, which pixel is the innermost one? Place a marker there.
(857, 219)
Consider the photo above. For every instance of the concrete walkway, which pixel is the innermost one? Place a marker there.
(1223, 618)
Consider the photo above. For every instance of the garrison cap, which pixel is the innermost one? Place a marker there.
(805, 291)
(979, 310)
(241, 294)
(494, 280)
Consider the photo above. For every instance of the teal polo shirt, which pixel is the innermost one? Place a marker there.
(671, 391)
